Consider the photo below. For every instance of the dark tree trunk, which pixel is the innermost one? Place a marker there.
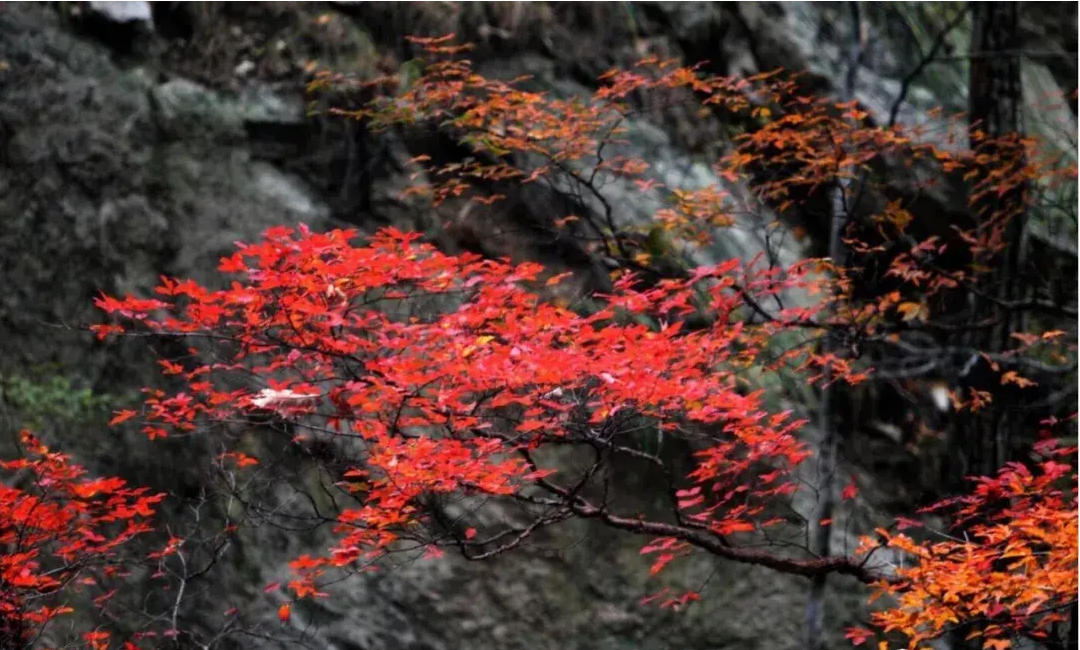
(984, 440)
(994, 93)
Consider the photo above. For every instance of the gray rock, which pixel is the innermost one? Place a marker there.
(109, 180)
(124, 12)
(190, 111)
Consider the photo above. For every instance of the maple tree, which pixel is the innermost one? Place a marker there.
(463, 399)
(1013, 571)
(443, 386)
(61, 531)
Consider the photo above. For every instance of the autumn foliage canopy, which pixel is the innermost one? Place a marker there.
(448, 382)
(62, 531)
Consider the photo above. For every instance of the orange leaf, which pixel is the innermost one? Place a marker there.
(122, 416)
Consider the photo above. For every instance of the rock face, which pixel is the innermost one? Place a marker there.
(116, 167)
(112, 177)
(124, 12)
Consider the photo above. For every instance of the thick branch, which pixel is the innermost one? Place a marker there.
(712, 544)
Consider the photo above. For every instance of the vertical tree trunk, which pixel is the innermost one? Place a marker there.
(995, 103)
(829, 447)
(985, 439)
(994, 93)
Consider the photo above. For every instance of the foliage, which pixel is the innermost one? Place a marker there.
(444, 387)
(1013, 571)
(61, 531)
(463, 399)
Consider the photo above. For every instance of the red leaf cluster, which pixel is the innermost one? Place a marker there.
(60, 529)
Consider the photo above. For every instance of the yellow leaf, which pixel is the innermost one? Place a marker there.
(480, 342)
(1012, 377)
(912, 310)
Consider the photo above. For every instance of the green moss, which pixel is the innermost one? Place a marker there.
(38, 400)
